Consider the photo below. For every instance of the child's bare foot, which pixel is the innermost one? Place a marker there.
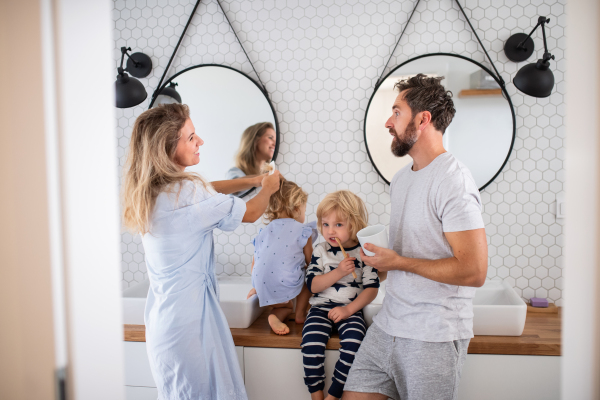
(278, 327)
(317, 395)
(300, 316)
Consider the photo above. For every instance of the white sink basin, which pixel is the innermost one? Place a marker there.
(240, 313)
(497, 309)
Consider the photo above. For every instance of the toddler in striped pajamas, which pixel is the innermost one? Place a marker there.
(338, 298)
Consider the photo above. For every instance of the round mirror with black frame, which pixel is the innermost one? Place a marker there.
(233, 116)
(482, 133)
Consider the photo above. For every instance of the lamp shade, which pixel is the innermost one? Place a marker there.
(535, 79)
(129, 91)
(168, 95)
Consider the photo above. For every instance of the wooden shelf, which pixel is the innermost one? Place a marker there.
(480, 92)
(541, 337)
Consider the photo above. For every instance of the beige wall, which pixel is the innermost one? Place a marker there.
(581, 322)
(26, 336)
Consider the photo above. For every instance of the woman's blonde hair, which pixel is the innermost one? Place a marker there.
(246, 156)
(150, 166)
(285, 201)
(347, 205)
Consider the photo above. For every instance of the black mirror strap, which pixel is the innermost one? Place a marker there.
(264, 88)
(502, 83)
(162, 78)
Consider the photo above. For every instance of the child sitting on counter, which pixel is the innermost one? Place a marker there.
(341, 287)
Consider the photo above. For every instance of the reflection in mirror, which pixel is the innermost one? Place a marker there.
(256, 150)
(228, 109)
(480, 135)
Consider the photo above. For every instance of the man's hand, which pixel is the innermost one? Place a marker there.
(383, 260)
(346, 267)
(338, 314)
(251, 293)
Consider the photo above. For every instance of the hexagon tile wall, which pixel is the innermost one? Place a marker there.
(320, 61)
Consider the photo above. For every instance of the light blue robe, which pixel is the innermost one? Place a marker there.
(190, 348)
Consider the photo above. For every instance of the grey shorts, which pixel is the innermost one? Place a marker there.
(407, 369)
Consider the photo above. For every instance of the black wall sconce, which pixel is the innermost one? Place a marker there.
(168, 95)
(533, 79)
(130, 92)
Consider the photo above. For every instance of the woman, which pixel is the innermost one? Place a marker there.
(190, 347)
(256, 148)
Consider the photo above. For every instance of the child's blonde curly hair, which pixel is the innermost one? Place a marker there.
(285, 201)
(347, 205)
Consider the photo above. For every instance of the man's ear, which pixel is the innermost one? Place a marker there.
(423, 119)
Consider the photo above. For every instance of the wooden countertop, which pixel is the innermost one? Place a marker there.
(541, 337)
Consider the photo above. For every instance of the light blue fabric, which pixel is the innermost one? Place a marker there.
(190, 348)
(278, 273)
(234, 173)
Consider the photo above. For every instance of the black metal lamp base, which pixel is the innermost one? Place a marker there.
(518, 54)
(143, 68)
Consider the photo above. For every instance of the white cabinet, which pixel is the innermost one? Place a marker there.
(500, 377)
(270, 373)
(140, 393)
(278, 373)
(139, 383)
(137, 367)
(492, 377)
(239, 350)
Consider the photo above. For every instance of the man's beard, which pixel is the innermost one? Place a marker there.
(401, 147)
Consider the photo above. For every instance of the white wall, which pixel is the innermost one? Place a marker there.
(320, 61)
(89, 198)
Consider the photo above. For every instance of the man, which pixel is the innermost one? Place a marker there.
(418, 342)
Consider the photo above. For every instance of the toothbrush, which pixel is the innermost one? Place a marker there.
(345, 255)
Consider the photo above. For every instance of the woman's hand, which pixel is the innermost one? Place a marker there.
(271, 183)
(346, 267)
(251, 293)
(257, 180)
(338, 314)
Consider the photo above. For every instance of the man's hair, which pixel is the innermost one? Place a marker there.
(428, 94)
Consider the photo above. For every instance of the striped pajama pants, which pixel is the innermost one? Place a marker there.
(315, 334)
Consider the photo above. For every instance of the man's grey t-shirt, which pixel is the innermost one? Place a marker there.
(442, 197)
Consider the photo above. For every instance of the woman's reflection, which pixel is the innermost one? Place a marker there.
(256, 148)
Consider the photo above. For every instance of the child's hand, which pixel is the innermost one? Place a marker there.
(251, 293)
(346, 267)
(338, 314)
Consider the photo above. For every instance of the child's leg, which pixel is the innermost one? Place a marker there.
(278, 314)
(302, 304)
(315, 334)
(352, 331)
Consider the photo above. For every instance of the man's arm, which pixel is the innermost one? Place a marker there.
(468, 267)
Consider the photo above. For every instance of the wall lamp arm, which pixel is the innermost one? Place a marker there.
(541, 21)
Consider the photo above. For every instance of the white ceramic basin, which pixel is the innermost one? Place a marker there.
(497, 310)
(240, 313)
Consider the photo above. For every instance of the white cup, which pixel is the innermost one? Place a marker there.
(375, 234)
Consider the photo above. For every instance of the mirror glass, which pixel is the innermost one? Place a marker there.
(223, 104)
(481, 134)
